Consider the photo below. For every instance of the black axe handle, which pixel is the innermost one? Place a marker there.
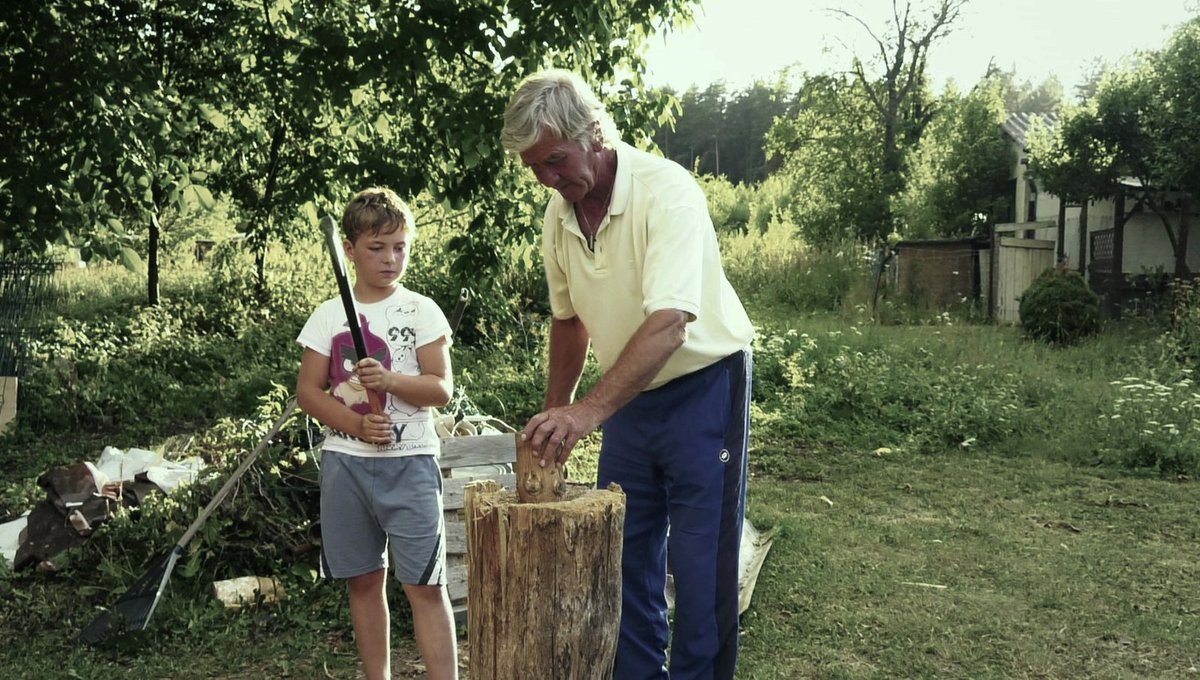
(333, 242)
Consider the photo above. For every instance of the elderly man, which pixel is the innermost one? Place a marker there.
(634, 270)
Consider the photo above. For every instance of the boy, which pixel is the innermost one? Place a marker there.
(380, 480)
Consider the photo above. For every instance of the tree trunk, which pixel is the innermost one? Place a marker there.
(1181, 244)
(543, 582)
(152, 262)
(1083, 236)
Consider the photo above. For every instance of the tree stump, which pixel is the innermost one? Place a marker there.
(543, 581)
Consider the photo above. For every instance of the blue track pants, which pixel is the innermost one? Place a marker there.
(679, 453)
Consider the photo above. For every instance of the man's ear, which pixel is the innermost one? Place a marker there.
(348, 248)
(597, 138)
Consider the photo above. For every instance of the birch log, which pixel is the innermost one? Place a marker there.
(544, 582)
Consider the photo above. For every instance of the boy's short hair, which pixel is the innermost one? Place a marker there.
(376, 211)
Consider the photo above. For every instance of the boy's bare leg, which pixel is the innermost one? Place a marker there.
(433, 623)
(372, 625)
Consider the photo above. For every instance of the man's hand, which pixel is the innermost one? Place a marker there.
(553, 433)
(376, 429)
(373, 375)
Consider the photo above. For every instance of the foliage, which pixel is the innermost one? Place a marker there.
(959, 180)
(1153, 424)
(729, 205)
(1025, 96)
(849, 389)
(1178, 78)
(775, 266)
(721, 134)
(832, 159)
(1059, 308)
(302, 103)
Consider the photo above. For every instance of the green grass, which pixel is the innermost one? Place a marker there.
(1049, 571)
(892, 459)
(1045, 571)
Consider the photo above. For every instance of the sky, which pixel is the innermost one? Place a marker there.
(740, 41)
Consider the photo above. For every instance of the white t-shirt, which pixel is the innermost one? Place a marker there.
(393, 329)
(656, 249)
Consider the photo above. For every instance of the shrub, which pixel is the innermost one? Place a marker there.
(1153, 424)
(1060, 308)
(777, 267)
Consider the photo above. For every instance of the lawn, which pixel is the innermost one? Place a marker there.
(950, 499)
(894, 565)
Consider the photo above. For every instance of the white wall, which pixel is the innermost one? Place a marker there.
(1147, 248)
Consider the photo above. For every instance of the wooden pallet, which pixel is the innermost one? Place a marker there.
(466, 459)
(8, 401)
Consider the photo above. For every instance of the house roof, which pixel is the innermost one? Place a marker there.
(1017, 125)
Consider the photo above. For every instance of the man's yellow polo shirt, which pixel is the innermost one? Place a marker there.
(656, 249)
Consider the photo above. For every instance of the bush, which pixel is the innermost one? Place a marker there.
(1060, 308)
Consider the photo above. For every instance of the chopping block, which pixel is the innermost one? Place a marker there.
(544, 575)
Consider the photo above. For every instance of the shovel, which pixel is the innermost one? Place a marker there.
(133, 610)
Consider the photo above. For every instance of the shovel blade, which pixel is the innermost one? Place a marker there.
(134, 609)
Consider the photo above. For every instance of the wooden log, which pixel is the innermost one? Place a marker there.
(543, 583)
(537, 484)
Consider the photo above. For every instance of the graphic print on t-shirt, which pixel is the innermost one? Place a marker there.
(343, 357)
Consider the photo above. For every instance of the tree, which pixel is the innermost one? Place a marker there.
(302, 100)
(1126, 130)
(899, 96)
(959, 181)
(1025, 96)
(107, 94)
(831, 152)
(717, 132)
(1177, 146)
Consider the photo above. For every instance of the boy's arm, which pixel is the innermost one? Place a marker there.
(313, 396)
(433, 387)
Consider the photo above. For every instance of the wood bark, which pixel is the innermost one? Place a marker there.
(544, 582)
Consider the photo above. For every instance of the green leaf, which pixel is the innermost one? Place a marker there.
(213, 116)
(204, 196)
(131, 260)
(309, 212)
(115, 224)
(382, 126)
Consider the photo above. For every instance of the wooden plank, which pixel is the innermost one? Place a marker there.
(456, 538)
(483, 449)
(8, 401)
(452, 489)
(1030, 243)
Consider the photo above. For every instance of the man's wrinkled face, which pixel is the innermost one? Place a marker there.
(562, 165)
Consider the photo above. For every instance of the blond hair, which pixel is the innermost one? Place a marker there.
(561, 103)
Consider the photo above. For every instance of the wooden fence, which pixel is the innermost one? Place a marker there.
(1018, 261)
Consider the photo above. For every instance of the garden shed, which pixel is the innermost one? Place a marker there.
(942, 273)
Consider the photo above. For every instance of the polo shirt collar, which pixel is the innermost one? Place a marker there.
(623, 184)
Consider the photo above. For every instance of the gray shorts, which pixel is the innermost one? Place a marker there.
(368, 504)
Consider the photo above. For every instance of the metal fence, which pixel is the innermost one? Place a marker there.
(24, 293)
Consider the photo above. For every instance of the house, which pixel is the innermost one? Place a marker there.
(1121, 244)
